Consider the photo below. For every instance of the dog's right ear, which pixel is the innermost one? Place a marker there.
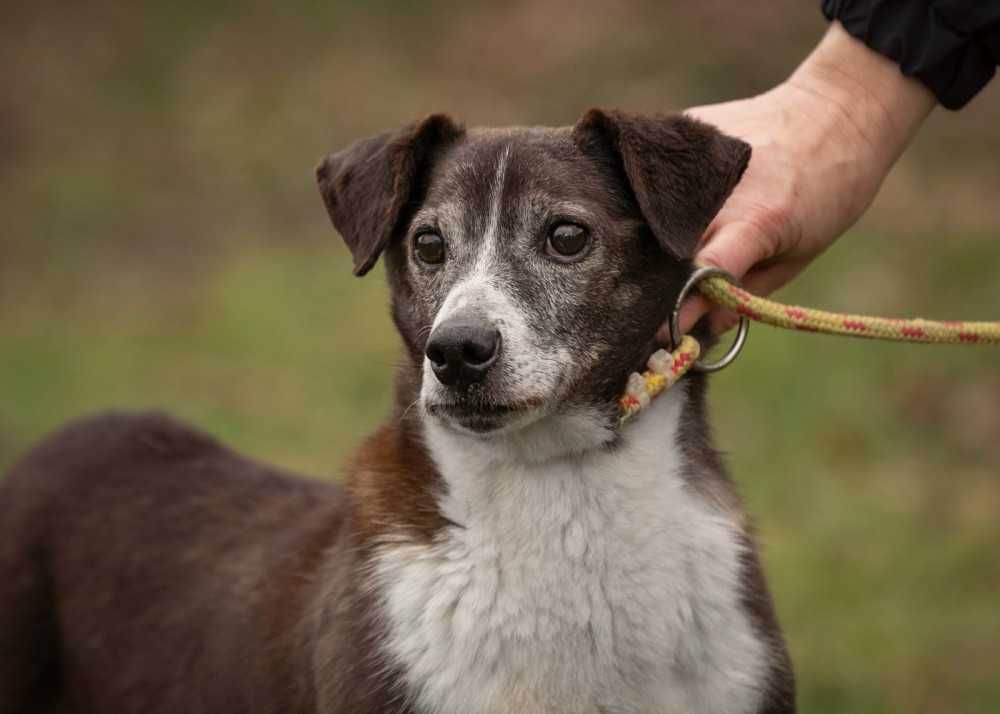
(366, 186)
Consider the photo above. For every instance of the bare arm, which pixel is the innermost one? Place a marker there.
(823, 141)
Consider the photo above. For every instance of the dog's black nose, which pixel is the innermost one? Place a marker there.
(461, 353)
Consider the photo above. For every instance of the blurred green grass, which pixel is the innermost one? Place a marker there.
(165, 247)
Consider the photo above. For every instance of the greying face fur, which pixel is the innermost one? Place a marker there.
(539, 252)
(530, 268)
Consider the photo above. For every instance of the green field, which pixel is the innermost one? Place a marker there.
(165, 247)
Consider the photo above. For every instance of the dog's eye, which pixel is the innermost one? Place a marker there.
(429, 247)
(567, 240)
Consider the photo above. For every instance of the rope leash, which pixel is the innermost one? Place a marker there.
(724, 293)
(665, 368)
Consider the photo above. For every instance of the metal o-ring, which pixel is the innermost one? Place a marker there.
(741, 331)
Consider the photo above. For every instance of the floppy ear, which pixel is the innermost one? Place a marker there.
(366, 186)
(680, 170)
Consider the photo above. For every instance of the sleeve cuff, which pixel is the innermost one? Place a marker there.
(915, 36)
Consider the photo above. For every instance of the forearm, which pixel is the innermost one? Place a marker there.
(868, 90)
(823, 141)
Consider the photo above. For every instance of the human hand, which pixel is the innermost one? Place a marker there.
(822, 141)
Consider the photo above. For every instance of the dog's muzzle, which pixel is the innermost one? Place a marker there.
(463, 351)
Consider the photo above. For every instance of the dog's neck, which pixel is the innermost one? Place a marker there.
(572, 581)
(476, 470)
(570, 435)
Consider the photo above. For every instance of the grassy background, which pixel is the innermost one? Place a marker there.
(163, 245)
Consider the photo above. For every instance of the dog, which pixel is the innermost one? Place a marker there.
(500, 545)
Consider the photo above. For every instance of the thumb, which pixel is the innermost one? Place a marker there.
(734, 247)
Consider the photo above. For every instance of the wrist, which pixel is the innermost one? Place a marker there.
(867, 89)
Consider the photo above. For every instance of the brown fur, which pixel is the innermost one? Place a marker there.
(366, 188)
(145, 568)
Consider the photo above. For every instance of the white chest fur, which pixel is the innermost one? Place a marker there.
(593, 584)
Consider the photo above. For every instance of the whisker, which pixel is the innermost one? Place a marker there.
(407, 410)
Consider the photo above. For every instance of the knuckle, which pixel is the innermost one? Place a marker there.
(772, 231)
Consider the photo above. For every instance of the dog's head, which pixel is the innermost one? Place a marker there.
(530, 268)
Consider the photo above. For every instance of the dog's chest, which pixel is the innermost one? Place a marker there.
(596, 584)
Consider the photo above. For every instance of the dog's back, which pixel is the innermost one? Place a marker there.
(122, 535)
(502, 544)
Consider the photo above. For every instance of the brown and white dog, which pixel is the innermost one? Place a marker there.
(500, 544)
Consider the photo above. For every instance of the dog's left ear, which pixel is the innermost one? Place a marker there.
(680, 170)
(367, 185)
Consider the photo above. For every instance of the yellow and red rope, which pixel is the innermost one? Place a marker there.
(758, 309)
(665, 368)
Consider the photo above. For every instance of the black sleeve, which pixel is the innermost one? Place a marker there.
(952, 46)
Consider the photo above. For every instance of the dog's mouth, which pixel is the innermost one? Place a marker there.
(484, 417)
